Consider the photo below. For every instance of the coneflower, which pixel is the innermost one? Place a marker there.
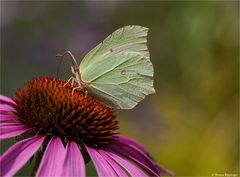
(64, 131)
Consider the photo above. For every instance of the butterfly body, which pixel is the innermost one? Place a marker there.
(119, 69)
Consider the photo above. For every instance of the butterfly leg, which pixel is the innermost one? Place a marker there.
(86, 92)
(71, 79)
(75, 88)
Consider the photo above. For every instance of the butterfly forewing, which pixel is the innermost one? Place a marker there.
(119, 68)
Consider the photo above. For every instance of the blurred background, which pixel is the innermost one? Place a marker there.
(191, 124)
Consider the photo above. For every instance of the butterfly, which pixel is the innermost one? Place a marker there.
(118, 70)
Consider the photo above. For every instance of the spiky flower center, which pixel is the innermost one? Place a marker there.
(50, 107)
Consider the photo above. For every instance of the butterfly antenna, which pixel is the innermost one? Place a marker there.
(69, 56)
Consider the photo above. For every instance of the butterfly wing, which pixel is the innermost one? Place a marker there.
(119, 68)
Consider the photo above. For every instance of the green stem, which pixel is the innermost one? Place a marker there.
(37, 161)
(38, 156)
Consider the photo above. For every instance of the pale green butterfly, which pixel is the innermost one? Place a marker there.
(118, 70)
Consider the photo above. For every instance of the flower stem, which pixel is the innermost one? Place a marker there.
(38, 156)
(37, 161)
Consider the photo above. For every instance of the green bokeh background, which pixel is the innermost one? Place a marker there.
(191, 125)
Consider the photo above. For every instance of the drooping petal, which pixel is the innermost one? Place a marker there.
(6, 100)
(138, 154)
(74, 163)
(6, 109)
(143, 163)
(130, 142)
(114, 165)
(53, 159)
(8, 118)
(162, 170)
(15, 157)
(6, 106)
(138, 157)
(8, 130)
(131, 169)
(102, 166)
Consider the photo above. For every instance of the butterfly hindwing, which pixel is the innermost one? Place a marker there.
(119, 68)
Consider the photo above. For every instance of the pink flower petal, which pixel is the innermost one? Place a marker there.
(137, 158)
(8, 118)
(6, 100)
(6, 105)
(53, 159)
(130, 142)
(131, 169)
(138, 154)
(101, 165)
(8, 130)
(6, 108)
(114, 165)
(74, 163)
(15, 157)
(162, 170)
